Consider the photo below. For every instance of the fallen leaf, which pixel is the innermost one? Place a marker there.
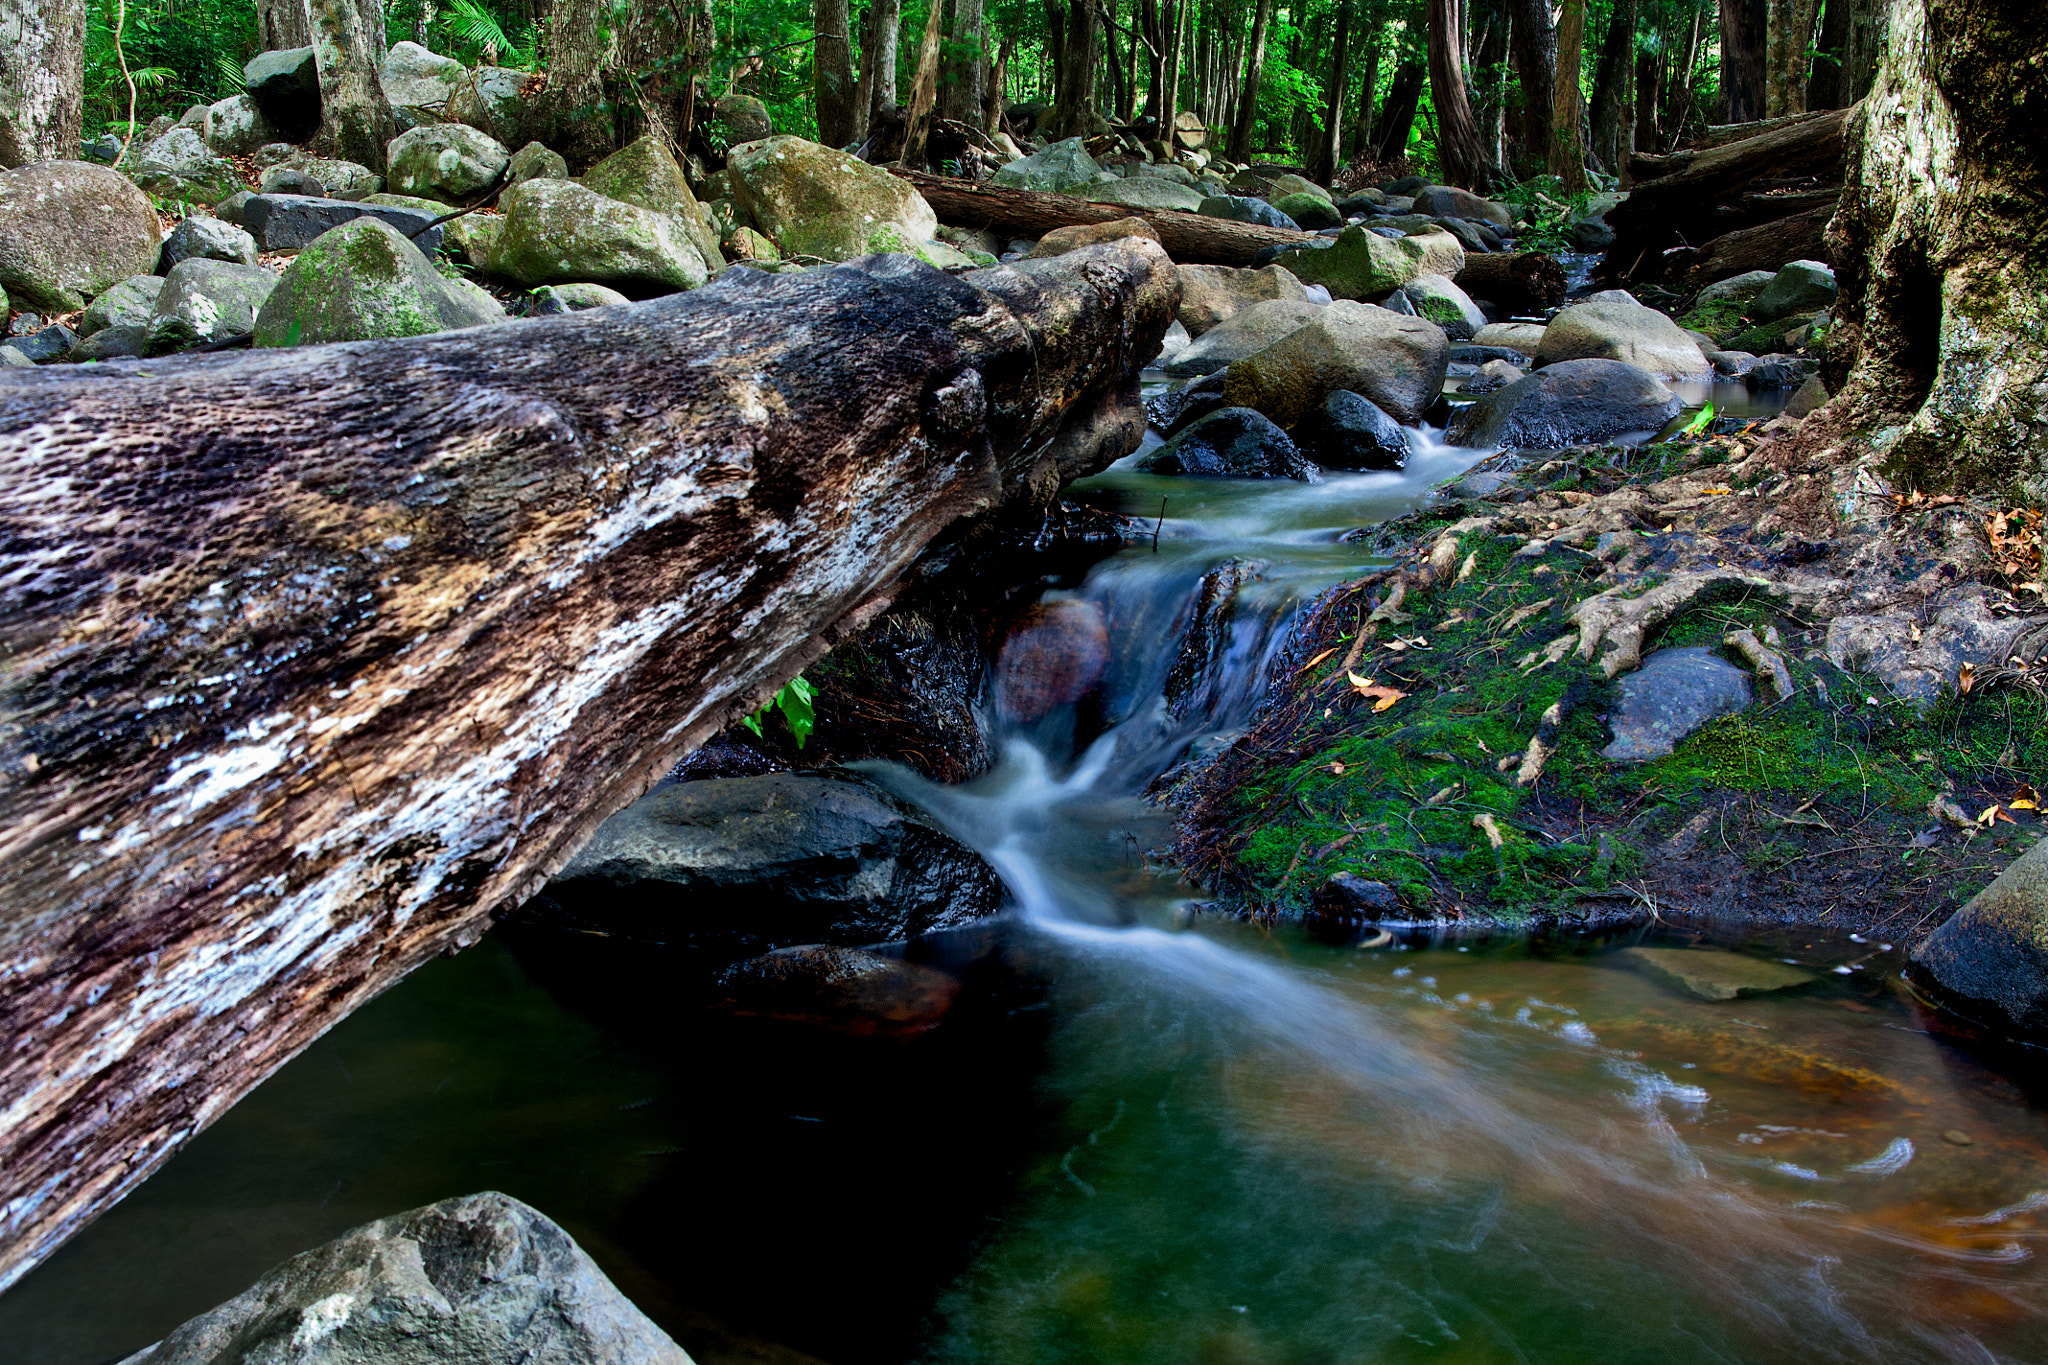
(1966, 678)
(2026, 798)
(1337, 767)
(1318, 659)
(1383, 697)
(1993, 814)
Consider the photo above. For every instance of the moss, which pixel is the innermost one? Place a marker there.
(1770, 337)
(1718, 318)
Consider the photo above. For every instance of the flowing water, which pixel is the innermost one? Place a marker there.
(1149, 1135)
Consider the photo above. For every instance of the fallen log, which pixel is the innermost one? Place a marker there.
(1767, 246)
(1190, 238)
(1520, 281)
(315, 658)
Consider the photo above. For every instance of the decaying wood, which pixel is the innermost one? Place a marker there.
(314, 658)
(1767, 246)
(1520, 281)
(1190, 238)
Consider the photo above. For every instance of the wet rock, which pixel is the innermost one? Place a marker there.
(740, 865)
(1175, 408)
(291, 222)
(1060, 241)
(1590, 234)
(127, 304)
(364, 280)
(847, 990)
(1992, 955)
(200, 238)
(1801, 287)
(69, 229)
(1732, 364)
(1249, 330)
(1347, 902)
(1231, 443)
(478, 1280)
(1310, 212)
(1144, 192)
(1619, 328)
(1521, 337)
(1061, 168)
(1365, 265)
(1471, 354)
(1192, 685)
(1443, 303)
(451, 162)
(1398, 362)
(1565, 404)
(1447, 201)
(1242, 209)
(1055, 655)
(1493, 376)
(1674, 693)
(1711, 974)
(285, 85)
(1770, 372)
(1350, 431)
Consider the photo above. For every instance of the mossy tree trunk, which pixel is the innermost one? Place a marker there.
(1940, 355)
(42, 73)
(832, 84)
(356, 121)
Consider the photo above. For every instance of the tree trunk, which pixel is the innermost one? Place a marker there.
(1368, 92)
(1824, 86)
(1612, 131)
(42, 80)
(1113, 63)
(583, 50)
(1490, 55)
(960, 86)
(1567, 135)
(1074, 98)
(1246, 123)
(306, 686)
(1328, 154)
(1861, 46)
(1944, 269)
(878, 57)
(832, 88)
(1742, 60)
(1397, 121)
(1534, 44)
(356, 122)
(924, 89)
(282, 24)
(1190, 238)
(1458, 151)
(1788, 32)
(1677, 98)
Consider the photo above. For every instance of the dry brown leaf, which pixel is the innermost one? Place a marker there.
(1383, 697)
(1966, 678)
(1313, 662)
(2026, 798)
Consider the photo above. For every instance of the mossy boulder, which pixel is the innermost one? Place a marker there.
(205, 300)
(70, 229)
(818, 202)
(1213, 294)
(1312, 211)
(493, 98)
(1061, 168)
(643, 173)
(1145, 192)
(1362, 264)
(179, 165)
(364, 280)
(127, 304)
(446, 161)
(468, 237)
(236, 127)
(1441, 301)
(1770, 337)
(536, 161)
(419, 82)
(1397, 361)
(557, 232)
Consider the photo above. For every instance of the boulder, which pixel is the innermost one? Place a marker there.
(1350, 431)
(1616, 327)
(1565, 404)
(1919, 660)
(229, 210)
(1441, 301)
(341, 177)
(847, 990)
(493, 99)
(45, 344)
(1062, 168)
(1287, 184)
(1736, 289)
(1472, 237)
(1052, 656)
(1060, 241)
(1185, 403)
(558, 232)
(180, 166)
(451, 162)
(1674, 693)
(1231, 443)
(467, 237)
(289, 179)
(364, 280)
(1247, 332)
(70, 229)
(1310, 212)
(285, 85)
(1492, 376)
(1714, 974)
(235, 126)
(818, 202)
(1179, 175)
(288, 222)
(1809, 397)
(1240, 209)
(742, 118)
(478, 1280)
(11, 357)
(1347, 902)
(1144, 192)
(537, 162)
(1522, 337)
(551, 299)
(1448, 201)
(1799, 288)
(1991, 956)
(1214, 294)
(126, 304)
(1365, 265)
(203, 300)
(1398, 362)
(1590, 234)
(644, 174)
(746, 864)
(200, 238)
(114, 343)
(419, 82)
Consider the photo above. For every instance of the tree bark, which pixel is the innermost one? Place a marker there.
(1788, 33)
(1612, 115)
(924, 89)
(1074, 98)
(1397, 121)
(1457, 131)
(1534, 45)
(878, 59)
(1190, 238)
(1860, 47)
(960, 87)
(1762, 246)
(282, 24)
(1742, 60)
(832, 88)
(1327, 157)
(356, 122)
(1943, 267)
(1519, 281)
(1567, 132)
(305, 686)
(1246, 124)
(42, 80)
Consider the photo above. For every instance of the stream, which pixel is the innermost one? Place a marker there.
(1149, 1134)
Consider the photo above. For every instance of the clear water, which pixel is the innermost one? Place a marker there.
(1148, 1135)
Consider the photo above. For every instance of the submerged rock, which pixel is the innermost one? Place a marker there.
(1564, 404)
(1992, 955)
(848, 990)
(1712, 974)
(478, 1280)
(1350, 431)
(1054, 656)
(753, 863)
(1674, 693)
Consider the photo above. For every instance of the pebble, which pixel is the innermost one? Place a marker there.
(1959, 1138)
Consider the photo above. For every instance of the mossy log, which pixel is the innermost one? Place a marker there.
(317, 658)
(1190, 238)
(1519, 281)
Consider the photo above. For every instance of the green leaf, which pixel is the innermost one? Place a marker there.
(1699, 421)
